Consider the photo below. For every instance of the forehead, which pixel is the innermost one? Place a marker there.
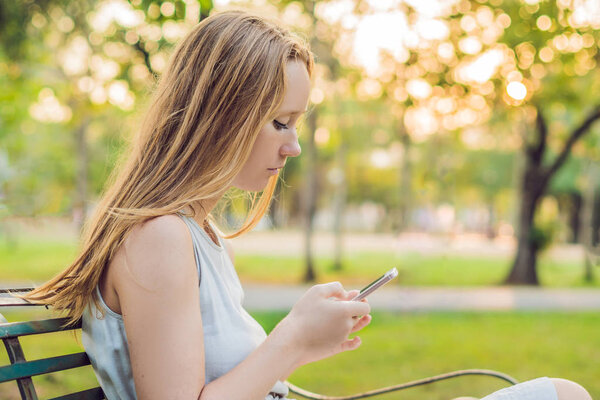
(297, 90)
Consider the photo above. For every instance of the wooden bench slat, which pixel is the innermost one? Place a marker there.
(16, 290)
(15, 301)
(43, 366)
(16, 329)
(89, 394)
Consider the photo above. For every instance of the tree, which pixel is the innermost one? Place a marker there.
(88, 60)
(523, 60)
(319, 35)
(555, 46)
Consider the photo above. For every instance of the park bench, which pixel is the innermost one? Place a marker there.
(21, 370)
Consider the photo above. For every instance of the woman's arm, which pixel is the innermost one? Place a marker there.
(157, 286)
(156, 281)
(317, 327)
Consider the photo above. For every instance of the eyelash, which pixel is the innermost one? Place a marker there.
(279, 126)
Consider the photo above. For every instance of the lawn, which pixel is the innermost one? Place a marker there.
(402, 347)
(396, 347)
(414, 270)
(34, 261)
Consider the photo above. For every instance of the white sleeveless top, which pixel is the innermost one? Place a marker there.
(230, 333)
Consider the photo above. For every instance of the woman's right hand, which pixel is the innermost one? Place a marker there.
(320, 322)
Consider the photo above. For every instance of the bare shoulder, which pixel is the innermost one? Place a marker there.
(159, 298)
(163, 227)
(157, 254)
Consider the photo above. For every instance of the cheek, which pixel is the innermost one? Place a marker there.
(264, 146)
(255, 157)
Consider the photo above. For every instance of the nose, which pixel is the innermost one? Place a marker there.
(291, 148)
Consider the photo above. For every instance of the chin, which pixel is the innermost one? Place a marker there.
(253, 186)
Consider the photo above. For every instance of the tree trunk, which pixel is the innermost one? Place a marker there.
(339, 202)
(533, 186)
(80, 203)
(596, 219)
(587, 222)
(310, 151)
(405, 180)
(524, 267)
(575, 205)
(310, 195)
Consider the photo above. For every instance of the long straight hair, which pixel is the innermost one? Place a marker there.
(224, 82)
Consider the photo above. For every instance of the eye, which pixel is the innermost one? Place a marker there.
(279, 126)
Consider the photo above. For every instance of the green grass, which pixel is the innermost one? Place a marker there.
(414, 270)
(401, 347)
(36, 261)
(396, 347)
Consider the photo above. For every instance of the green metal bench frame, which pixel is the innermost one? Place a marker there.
(21, 370)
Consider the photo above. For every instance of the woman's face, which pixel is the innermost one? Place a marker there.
(278, 139)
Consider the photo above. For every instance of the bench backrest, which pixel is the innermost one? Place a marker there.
(21, 370)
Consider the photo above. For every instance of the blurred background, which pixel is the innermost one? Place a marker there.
(456, 140)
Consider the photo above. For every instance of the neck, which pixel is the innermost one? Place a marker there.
(203, 208)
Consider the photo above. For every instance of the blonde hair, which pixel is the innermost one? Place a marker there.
(224, 82)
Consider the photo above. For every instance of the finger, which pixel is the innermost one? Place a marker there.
(332, 289)
(352, 294)
(357, 308)
(351, 344)
(361, 323)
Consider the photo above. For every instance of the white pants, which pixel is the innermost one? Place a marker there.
(537, 389)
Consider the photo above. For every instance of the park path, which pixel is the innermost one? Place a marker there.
(392, 298)
(415, 299)
(397, 298)
(273, 297)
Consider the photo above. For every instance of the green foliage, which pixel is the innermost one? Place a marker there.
(14, 15)
(567, 83)
(445, 167)
(62, 52)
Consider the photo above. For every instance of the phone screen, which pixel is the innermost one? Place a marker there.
(376, 284)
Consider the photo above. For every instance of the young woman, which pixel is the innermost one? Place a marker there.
(155, 284)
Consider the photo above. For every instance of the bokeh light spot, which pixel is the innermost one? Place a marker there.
(167, 8)
(516, 90)
(544, 22)
(546, 54)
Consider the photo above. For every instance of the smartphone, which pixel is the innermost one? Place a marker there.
(379, 282)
